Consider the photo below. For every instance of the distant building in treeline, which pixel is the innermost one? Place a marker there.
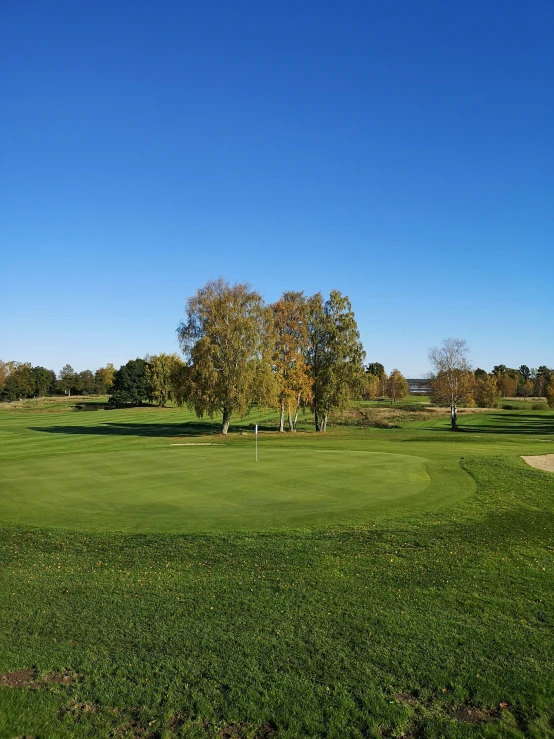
(419, 387)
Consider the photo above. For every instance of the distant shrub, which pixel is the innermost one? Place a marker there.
(414, 407)
(537, 407)
(509, 407)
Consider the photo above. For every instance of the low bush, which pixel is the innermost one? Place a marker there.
(414, 407)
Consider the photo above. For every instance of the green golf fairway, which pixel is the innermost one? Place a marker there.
(205, 487)
(157, 581)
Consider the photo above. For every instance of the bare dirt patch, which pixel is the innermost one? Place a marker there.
(61, 678)
(463, 714)
(406, 698)
(469, 715)
(29, 679)
(130, 728)
(177, 720)
(239, 730)
(77, 707)
(19, 679)
(542, 462)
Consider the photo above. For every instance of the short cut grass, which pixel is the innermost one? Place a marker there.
(428, 614)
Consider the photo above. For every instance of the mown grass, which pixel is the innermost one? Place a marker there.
(428, 622)
(164, 488)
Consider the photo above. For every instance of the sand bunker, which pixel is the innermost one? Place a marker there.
(543, 462)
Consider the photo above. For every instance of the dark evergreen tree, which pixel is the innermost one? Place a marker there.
(129, 385)
(525, 372)
(20, 383)
(86, 383)
(44, 379)
(376, 369)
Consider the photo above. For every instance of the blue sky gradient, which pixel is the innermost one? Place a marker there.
(402, 153)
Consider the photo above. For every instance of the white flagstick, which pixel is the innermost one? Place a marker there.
(256, 442)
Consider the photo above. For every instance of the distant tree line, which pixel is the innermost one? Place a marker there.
(455, 383)
(20, 380)
(522, 382)
(377, 384)
(299, 353)
(139, 380)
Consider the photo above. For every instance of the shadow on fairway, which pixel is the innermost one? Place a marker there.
(147, 429)
(508, 423)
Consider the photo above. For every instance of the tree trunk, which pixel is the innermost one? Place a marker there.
(316, 419)
(295, 418)
(324, 424)
(293, 422)
(226, 420)
(282, 418)
(454, 417)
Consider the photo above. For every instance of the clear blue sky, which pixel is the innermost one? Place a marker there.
(400, 152)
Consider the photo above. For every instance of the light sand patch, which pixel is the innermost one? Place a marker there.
(200, 443)
(543, 462)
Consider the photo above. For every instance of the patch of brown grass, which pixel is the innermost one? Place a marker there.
(384, 416)
(30, 679)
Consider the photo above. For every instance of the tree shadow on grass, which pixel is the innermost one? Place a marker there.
(162, 430)
(134, 429)
(508, 423)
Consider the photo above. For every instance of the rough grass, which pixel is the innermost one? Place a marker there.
(428, 623)
(387, 416)
(56, 403)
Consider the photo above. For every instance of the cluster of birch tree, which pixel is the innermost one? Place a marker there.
(299, 352)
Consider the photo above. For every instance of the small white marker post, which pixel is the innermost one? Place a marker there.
(256, 442)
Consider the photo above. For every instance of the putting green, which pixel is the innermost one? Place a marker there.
(208, 488)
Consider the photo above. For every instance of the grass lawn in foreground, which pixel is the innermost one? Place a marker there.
(421, 613)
